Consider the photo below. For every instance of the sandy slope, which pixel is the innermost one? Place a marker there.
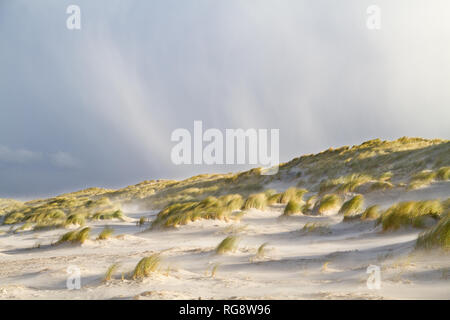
(297, 264)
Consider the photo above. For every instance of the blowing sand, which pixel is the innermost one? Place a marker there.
(329, 262)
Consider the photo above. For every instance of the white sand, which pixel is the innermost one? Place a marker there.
(297, 265)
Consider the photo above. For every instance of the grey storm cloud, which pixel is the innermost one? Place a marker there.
(26, 157)
(96, 106)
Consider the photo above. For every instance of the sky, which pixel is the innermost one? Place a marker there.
(97, 106)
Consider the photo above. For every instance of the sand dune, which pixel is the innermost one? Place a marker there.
(296, 264)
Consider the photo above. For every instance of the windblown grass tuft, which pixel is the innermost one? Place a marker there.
(421, 179)
(371, 213)
(76, 236)
(106, 233)
(411, 213)
(443, 174)
(437, 237)
(75, 219)
(345, 184)
(292, 207)
(209, 208)
(293, 194)
(330, 203)
(108, 215)
(229, 244)
(315, 227)
(261, 252)
(110, 272)
(256, 201)
(146, 266)
(273, 199)
(353, 206)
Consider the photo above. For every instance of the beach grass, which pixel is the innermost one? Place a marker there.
(353, 206)
(410, 213)
(229, 244)
(106, 233)
(146, 266)
(75, 236)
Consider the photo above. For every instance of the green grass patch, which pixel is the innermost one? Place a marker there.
(222, 208)
(345, 184)
(229, 244)
(436, 237)
(261, 252)
(443, 173)
(256, 201)
(371, 213)
(353, 206)
(76, 236)
(381, 186)
(292, 207)
(410, 213)
(146, 266)
(315, 227)
(329, 203)
(274, 198)
(110, 272)
(421, 179)
(108, 215)
(106, 233)
(386, 176)
(293, 194)
(75, 219)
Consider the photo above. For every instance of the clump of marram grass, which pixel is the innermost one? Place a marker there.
(421, 179)
(436, 237)
(46, 217)
(315, 227)
(371, 213)
(292, 207)
(146, 266)
(229, 244)
(275, 198)
(110, 272)
(292, 194)
(353, 206)
(261, 252)
(381, 185)
(108, 215)
(329, 204)
(410, 213)
(386, 176)
(231, 202)
(75, 219)
(256, 201)
(222, 208)
(214, 270)
(443, 173)
(105, 234)
(345, 184)
(46, 225)
(75, 236)
(446, 204)
(13, 217)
